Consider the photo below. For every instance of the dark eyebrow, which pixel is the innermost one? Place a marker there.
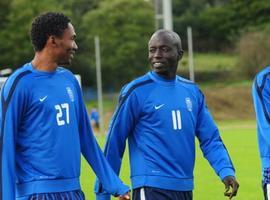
(164, 46)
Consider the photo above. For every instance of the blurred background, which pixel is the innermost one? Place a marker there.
(229, 42)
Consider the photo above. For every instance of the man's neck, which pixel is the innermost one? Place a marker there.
(42, 62)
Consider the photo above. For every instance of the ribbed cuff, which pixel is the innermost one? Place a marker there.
(125, 189)
(226, 172)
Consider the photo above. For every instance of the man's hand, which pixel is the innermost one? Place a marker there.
(230, 182)
(124, 196)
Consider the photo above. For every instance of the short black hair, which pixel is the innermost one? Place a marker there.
(46, 25)
(174, 37)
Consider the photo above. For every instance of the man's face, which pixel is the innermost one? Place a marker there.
(66, 46)
(163, 55)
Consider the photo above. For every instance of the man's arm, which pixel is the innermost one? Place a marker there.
(261, 101)
(11, 109)
(7, 156)
(213, 148)
(94, 156)
(122, 124)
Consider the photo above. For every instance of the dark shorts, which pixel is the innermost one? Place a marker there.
(150, 193)
(266, 191)
(70, 195)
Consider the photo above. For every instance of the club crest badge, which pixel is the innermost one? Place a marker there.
(189, 104)
(70, 94)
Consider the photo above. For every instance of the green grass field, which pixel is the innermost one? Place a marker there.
(219, 61)
(241, 141)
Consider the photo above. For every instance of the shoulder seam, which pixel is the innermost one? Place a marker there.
(188, 82)
(264, 80)
(14, 84)
(10, 93)
(122, 99)
(6, 102)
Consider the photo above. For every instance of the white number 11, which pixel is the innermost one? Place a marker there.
(176, 119)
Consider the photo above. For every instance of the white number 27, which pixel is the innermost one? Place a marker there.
(61, 120)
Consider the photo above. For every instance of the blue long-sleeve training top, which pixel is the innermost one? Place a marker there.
(161, 118)
(261, 100)
(44, 130)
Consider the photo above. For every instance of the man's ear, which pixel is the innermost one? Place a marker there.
(52, 41)
(180, 54)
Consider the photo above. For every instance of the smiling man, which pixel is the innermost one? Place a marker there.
(44, 123)
(160, 114)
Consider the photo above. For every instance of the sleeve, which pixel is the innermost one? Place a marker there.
(122, 124)
(261, 100)
(94, 156)
(11, 109)
(210, 142)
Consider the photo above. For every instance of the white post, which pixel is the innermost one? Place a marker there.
(6, 71)
(99, 84)
(190, 55)
(158, 14)
(167, 14)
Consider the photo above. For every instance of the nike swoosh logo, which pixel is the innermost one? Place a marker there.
(159, 106)
(43, 99)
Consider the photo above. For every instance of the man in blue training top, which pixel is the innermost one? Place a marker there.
(44, 123)
(261, 100)
(160, 114)
(94, 117)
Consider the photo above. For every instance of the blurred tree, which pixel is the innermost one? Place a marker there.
(76, 10)
(126, 44)
(253, 49)
(189, 13)
(124, 28)
(217, 23)
(15, 43)
(16, 48)
(4, 10)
